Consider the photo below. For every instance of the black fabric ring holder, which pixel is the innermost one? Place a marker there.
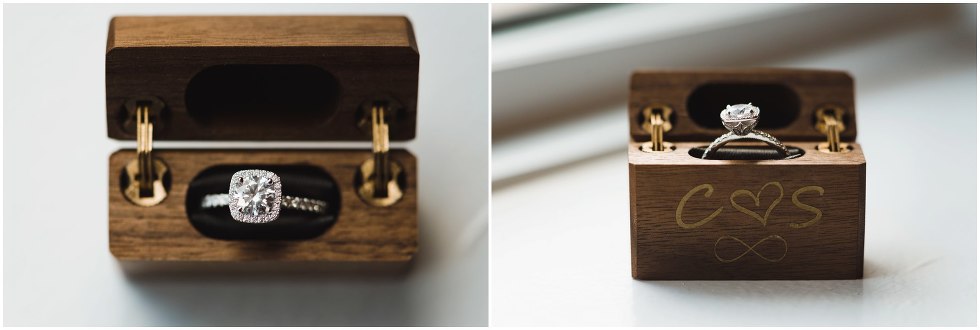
(746, 153)
(297, 180)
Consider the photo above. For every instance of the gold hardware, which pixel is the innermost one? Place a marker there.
(378, 181)
(656, 121)
(144, 180)
(830, 121)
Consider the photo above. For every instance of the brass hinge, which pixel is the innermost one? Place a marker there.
(378, 181)
(830, 121)
(145, 174)
(656, 122)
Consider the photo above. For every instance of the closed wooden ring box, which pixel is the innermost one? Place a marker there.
(787, 219)
(310, 78)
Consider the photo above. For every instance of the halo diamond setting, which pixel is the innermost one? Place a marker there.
(740, 118)
(255, 196)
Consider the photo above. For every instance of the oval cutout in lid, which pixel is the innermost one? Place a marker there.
(780, 105)
(269, 98)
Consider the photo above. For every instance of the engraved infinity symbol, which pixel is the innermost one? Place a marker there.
(751, 248)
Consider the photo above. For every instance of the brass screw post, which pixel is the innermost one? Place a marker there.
(379, 144)
(145, 174)
(144, 149)
(656, 121)
(657, 132)
(377, 179)
(830, 121)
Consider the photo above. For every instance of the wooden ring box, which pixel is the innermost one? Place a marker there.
(260, 79)
(694, 219)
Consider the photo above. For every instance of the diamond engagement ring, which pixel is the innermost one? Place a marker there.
(740, 120)
(255, 196)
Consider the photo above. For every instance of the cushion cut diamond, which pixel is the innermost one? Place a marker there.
(741, 111)
(740, 118)
(256, 196)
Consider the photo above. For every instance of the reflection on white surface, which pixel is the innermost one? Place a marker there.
(561, 214)
(58, 270)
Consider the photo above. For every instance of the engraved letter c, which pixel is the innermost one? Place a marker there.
(680, 207)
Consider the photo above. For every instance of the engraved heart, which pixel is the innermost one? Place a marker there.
(755, 198)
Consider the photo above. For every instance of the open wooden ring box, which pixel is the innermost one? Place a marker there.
(745, 215)
(242, 78)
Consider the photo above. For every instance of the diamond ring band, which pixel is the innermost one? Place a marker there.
(255, 196)
(740, 120)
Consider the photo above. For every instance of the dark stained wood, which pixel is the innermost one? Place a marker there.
(362, 233)
(830, 248)
(764, 228)
(369, 57)
(673, 87)
(260, 31)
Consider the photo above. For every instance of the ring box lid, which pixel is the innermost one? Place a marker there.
(310, 78)
(788, 100)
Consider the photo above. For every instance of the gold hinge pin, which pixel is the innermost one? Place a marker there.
(377, 179)
(144, 149)
(830, 121)
(656, 121)
(145, 174)
(657, 132)
(379, 143)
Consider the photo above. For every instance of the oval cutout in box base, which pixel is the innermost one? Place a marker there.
(746, 153)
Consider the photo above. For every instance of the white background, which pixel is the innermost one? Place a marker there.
(560, 231)
(57, 266)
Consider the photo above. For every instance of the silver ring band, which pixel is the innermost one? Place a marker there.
(288, 202)
(255, 196)
(740, 120)
(752, 135)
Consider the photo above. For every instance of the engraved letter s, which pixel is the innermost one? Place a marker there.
(796, 201)
(680, 207)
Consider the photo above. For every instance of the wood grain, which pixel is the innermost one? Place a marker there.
(832, 248)
(361, 234)
(694, 219)
(370, 58)
(673, 87)
(260, 31)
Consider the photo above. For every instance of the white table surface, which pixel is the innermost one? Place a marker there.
(57, 265)
(560, 252)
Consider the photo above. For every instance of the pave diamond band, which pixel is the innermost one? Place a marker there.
(288, 202)
(255, 196)
(752, 135)
(740, 120)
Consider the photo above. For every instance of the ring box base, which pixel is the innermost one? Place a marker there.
(774, 239)
(787, 219)
(361, 233)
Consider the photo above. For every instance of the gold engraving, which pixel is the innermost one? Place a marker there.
(752, 248)
(755, 198)
(796, 201)
(763, 219)
(680, 207)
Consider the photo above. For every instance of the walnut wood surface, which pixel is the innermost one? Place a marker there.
(673, 87)
(370, 58)
(361, 234)
(694, 219)
(260, 31)
(830, 248)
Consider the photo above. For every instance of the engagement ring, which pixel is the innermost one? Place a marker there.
(255, 196)
(740, 120)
